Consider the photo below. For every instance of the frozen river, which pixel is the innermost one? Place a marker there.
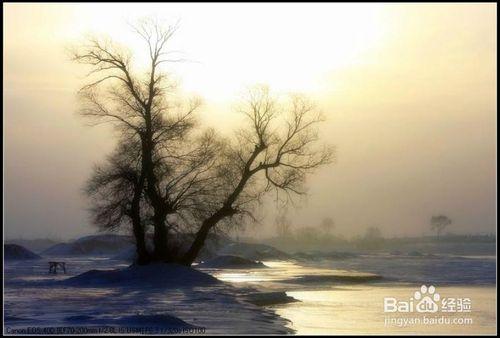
(335, 296)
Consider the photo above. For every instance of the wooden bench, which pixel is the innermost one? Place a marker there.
(53, 267)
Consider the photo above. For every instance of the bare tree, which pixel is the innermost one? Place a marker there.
(327, 224)
(276, 152)
(373, 233)
(283, 225)
(439, 223)
(116, 193)
(194, 181)
(137, 106)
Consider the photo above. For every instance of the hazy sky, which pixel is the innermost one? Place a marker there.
(409, 92)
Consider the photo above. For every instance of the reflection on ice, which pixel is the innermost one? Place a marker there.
(291, 273)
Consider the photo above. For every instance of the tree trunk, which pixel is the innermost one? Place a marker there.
(225, 211)
(161, 252)
(159, 208)
(198, 243)
(143, 256)
(202, 234)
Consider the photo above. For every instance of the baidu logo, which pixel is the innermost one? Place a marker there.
(424, 300)
(428, 299)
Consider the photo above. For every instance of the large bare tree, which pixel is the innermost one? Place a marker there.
(137, 105)
(116, 193)
(192, 180)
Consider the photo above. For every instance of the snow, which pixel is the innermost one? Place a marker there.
(317, 255)
(113, 294)
(253, 251)
(231, 262)
(128, 255)
(17, 252)
(104, 244)
(158, 275)
(334, 295)
(270, 298)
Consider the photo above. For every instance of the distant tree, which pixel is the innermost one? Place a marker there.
(309, 235)
(373, 233)
(283, 225)
(327, 224)
(439, 223)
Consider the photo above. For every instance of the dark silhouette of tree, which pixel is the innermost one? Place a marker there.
(116, 193)
(174, 176)
(439, 223)
(327, 224)
(276, 152)
(373, 233)
(137, 105)
(283, 225)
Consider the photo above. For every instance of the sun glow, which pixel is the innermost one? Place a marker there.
(225, 54)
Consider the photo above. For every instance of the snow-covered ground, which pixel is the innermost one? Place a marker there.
(33, 298)
(342, 295)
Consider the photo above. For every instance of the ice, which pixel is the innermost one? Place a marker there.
(335, 293)
(253, 251)
(270, 298)
(231, 262)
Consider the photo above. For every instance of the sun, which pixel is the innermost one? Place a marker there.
(227, 50)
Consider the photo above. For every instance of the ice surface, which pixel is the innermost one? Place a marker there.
(253, 251)
(231, 262)
(248, 300)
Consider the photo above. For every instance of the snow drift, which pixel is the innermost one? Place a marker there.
(152, 275)
(269, 298)
(92, 245)
(17, 252)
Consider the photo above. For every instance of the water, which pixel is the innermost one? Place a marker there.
(329, 305)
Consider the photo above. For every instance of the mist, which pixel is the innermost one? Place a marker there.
(412, 116)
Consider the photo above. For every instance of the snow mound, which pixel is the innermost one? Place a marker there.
(128, 255)
(231, 262)
(269, 298)
(17, 252)
(253, 251)
(415, 253)
(154, 275)
(92, 245)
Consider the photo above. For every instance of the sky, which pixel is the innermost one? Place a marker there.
(409, 92)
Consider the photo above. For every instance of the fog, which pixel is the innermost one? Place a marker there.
(409, 92)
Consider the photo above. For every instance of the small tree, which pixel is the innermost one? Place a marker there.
(283, 225)
(439, 223)
(277, 150)
(373, 233)
(327, 224)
